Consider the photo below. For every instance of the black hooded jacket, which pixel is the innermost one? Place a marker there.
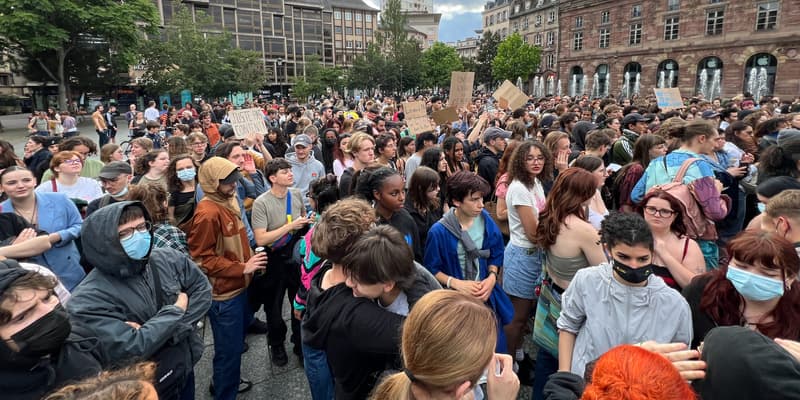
(488, 163)
(120, 289)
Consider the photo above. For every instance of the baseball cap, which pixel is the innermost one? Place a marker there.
(494, 132)
(547, 121)
(632, 118)
(301, 140)
(115, 169)
(708, 114)
(233, 177)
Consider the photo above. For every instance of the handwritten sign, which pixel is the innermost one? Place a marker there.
(244, 122)
(512, 96)
(417, 117)
(446, 115)
(461, 88)
(669, 98)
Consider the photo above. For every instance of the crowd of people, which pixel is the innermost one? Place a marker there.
(641, 253)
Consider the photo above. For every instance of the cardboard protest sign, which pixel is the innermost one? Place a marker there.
(514, 97)
(461, 88)
(416, 117)
(244, 122)
(669, 98)
(446, 115)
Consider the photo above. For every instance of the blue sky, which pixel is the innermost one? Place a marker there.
(460, 19)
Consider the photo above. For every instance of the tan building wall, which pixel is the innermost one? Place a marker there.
(496, 17)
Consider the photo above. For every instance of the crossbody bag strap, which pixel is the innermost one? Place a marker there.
(55, 186)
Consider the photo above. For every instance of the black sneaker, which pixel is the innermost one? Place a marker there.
(527, 370)
(257, 327)
(244, 386)
(279, 356)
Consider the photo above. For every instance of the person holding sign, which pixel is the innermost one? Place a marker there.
(279, 221)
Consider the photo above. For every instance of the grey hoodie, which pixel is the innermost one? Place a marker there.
(120, 289)
(305, 172)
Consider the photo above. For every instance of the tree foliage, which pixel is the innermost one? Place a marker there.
(437, 64)
(60, 36)
(204, 62)
(515, 59)
(487, 50)
(318, 80)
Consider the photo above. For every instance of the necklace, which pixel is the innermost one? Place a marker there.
(29, 216)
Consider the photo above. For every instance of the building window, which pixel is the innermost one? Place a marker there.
(515, 26)
(368, 18)
(348, 16)
(516, 8)
(673, 5)
(551, 17)
(528, 5)
(358, 44)
(358, 16)
(605, 38)
(538, 20)
(579, 22)
(671, 28)
(714, 1)
(337, 15)
(577, 41)
(714, 22)
(576, 85)
(709, 77)
(759, 75)
(667, 74)
(337, 29)
(605, 17)
(525, 23)
(348, 30)
(551, 38)
(349, 44)
(636, 11)
(491, 19)
(368, 32)
(537, 40)
(338, 44)
(635, 36)
(767, 18)
(551, 61)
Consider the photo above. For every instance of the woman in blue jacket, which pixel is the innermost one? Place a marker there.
(53, 213)
(464, 250)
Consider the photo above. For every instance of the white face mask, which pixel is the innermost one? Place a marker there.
(121, 193)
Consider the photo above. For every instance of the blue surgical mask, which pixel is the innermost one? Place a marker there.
(761, 207)
(187, 174)
(753, 286)
(137, 246)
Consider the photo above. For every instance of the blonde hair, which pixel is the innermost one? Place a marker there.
(439, 355)
(354, 145)
(124, 384)
(785, 203)
(339, 227)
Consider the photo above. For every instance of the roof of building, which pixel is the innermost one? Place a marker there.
(352, 4)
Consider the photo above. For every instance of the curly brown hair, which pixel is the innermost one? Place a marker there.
(517, 169)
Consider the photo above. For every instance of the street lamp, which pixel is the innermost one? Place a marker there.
(279, 63)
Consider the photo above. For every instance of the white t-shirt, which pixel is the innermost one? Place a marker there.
(85, 188)
(519, 195)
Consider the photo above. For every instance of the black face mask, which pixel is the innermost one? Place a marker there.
(632, 275)
(45, 336)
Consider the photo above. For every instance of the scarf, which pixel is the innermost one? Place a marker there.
(450, 222)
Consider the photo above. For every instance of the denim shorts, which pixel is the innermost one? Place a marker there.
(522, 271)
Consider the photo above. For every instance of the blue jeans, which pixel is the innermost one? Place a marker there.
(227, 324)
(318, 373)
(546, 365)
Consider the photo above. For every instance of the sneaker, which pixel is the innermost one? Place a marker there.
(279, 356)
(257, 327)
(244, 386)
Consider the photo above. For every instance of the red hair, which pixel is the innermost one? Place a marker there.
(722, 302)
(572, 189)
(632, 373)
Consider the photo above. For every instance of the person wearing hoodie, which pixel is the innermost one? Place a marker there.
(743, 365)
(338, 228)
(633, 126)
(305, 167)
(218, 242)
(41, 348)
(620, 302)
(488, 159)
(358, 323)
(141, 302)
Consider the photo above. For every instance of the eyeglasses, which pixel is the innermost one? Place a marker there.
(659, 212)
(540, 159)
(127, 233)
(71, 161)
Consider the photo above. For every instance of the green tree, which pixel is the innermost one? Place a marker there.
(317, 80)
(515, 59)
(191, 57)
(50, 32)
(437, 64)
(487, 50)
(402, 70)
(368, 69)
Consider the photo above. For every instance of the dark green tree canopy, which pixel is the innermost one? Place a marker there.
(437, 64)
(515, 59)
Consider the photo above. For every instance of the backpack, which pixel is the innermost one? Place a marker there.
(698, 226)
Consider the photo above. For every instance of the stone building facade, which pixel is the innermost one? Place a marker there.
(496, 17)
(710, 47)
(538, 23)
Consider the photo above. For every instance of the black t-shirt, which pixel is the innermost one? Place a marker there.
(403, 222)
(10, 226)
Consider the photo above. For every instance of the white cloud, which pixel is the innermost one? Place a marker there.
(450, 11)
